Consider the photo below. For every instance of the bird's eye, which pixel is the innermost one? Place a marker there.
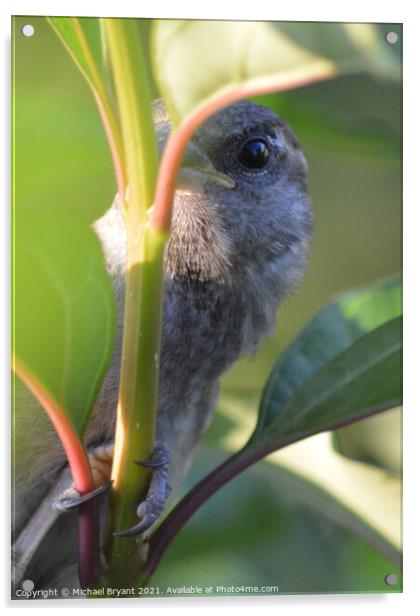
(254, 154)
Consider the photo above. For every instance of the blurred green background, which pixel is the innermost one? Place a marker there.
(324, 515)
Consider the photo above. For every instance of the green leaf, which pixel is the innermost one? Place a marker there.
(255, 55)
(74, 33)
(63, 310)
(364, 378)
(331, 331)
(84, 42)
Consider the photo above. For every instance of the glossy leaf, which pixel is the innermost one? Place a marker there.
(64, 311)
(256, 55)
(362, 379)
(331, 331)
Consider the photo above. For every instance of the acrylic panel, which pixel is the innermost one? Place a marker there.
(206, 308)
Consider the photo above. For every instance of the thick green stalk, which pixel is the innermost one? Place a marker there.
(136, 416)
(133, 89)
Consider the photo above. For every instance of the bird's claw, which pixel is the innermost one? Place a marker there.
(151, 508)
(72, 499)
(160, 457)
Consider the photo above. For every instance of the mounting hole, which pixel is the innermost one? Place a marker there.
(391, 579)
(28, 30)
(28, 585)
(391, 38)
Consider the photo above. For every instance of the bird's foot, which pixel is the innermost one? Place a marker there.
(152, 507)
(72, 499)
(100, 459)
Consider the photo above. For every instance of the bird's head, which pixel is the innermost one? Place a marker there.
(241, 204)
(242, 216)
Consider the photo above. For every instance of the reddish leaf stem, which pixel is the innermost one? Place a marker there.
(89, 567)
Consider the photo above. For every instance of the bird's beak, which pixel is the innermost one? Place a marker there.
(197, 169)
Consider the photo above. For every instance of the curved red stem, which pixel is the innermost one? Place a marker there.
(89, 566)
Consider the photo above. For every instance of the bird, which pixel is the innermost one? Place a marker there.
(239, 244)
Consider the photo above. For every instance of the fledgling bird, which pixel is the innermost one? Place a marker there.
(241, 228)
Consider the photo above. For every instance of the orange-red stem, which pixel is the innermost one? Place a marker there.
(89, 564)
(75, 451)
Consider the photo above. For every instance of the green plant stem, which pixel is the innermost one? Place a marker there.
(136, 414)
(133, 89)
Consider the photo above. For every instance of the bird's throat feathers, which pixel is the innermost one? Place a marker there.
(199, 248)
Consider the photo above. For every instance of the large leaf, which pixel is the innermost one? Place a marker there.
(63, 304)
(256, 55)
(363, 379)
(63, 310)
(331, 331)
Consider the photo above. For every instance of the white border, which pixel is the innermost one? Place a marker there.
(304, 10)
(357, 10)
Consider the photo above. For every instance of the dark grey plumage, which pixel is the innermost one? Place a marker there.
(232, 257)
